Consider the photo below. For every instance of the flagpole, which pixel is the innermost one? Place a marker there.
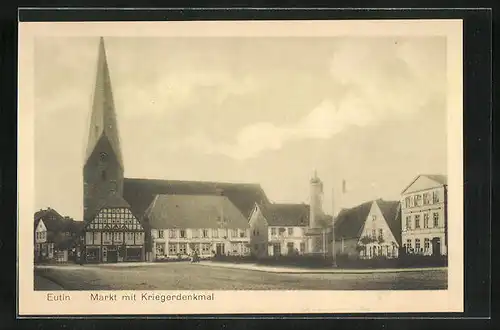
(334, 257)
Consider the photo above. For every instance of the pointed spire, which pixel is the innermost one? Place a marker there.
(103, 120)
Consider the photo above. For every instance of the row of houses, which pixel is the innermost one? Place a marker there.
(136, 219)
(180, 224)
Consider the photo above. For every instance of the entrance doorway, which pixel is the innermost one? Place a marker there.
(436, 246)
(276, 249)
(219, 249)
(112, 255)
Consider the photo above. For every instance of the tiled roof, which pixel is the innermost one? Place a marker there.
(194, 211)
(286, 214)
(141, 192)
(113, 200)
(349, 222)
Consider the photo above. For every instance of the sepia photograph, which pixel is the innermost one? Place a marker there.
(176, 166)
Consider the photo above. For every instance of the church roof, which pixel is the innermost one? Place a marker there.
(103, 121)
(139, 193)
(286, 214)
(194, 211)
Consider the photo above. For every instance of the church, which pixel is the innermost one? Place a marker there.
(125, 218)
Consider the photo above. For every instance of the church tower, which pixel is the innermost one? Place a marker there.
(103, 164)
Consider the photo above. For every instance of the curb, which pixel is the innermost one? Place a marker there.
(346, 271)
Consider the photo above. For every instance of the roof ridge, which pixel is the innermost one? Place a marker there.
(195, 181)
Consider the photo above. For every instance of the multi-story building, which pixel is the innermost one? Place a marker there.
(55, 236)
(424, 215)
(279, 229)
(207, 224)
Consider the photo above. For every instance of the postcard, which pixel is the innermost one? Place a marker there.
(234, 167)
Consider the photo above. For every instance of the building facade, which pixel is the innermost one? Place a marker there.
(55, 236)
(208, 225)
(279, 229)
(368, 230)
(424, 215)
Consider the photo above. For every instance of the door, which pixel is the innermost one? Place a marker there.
(436, 246)
(112, 256)
(219, 249)
(276, 249)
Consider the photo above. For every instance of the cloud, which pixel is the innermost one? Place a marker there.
(176, 90)
(383, 80)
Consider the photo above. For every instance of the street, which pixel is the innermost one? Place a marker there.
(186, 276)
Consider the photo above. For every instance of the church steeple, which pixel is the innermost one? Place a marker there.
(103, 166)
(103, 122)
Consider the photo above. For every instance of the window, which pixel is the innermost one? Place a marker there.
(417, 221)
(172, 248)
(160, 233)
(113, 186)
(103, 175)
(89, 238)
(417, 244)
(204, 233)
(243, 233)
(435, 197)
(374, 217)
(380, 234)
(160, 249)
(374, 234)
(183, 233)
(273, 231)
(407, 202)
(426, 220)
(418, 200)
(182, 248)
(408, 243)
(427, 198)
(234, 232)
(302, 247)
(290, 231)
(97, 238)
(408, 222)
(427, 244)
(215, 233)
(435, 218)
(205, 248)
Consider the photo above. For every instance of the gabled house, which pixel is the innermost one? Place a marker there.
(424, 215)
(208, 224)
(279, 229)
(55, 236)
(368, 230)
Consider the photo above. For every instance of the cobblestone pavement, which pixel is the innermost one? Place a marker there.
(187, 276)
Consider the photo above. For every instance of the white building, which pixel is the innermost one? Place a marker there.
(369, 230)
(424, 215)
(279, 229)
(208, 224)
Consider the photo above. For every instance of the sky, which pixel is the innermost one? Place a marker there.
(268, 110)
